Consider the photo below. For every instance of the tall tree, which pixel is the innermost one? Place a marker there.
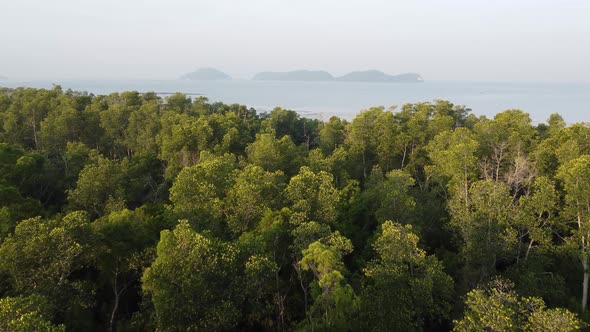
(404, 289)
(496, 307)
(100, 187)
(485, 226)
(26, 314)
(454, 162)
(123, 252)
(361, 139)
(274, 154)
(387, 197)
(576, 180)
(248, 199)
(192, 282)
(181, 140)
(199, 191)
(335, 302)
(535, 217)
(332, 134)
(143, 128)
(313, 197)
(43, 257)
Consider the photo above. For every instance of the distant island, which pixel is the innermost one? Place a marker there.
(378, 76)
(297, 75)
(206, 74)
(356, 76)
(212, 74)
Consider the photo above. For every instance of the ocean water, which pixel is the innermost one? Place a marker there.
(346, 99)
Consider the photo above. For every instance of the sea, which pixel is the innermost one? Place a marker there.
(346, 99)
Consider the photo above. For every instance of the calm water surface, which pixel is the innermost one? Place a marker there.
(346, 99)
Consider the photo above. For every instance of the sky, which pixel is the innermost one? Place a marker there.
(483, 40)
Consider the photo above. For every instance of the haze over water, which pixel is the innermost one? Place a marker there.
(500, 40)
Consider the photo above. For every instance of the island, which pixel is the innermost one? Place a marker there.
(296, 75)
(379, 76)
(320, 75)
(212, 74)
(206, 74)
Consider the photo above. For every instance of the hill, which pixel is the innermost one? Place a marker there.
(297, 75)
(379, 76)
(320, 75)
(206, 74)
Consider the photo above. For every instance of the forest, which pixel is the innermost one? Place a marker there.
(134, 212)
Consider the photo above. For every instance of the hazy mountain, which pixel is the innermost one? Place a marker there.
(320, 75)
(297, 75)
(378, 76)
(206, 74)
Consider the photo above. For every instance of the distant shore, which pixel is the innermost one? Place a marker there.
(212, 74)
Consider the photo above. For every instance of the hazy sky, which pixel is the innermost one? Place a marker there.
(522, 40)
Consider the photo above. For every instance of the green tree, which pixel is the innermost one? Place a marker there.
(22, 120)
(100, 187)
(180, 103)
(554, 320)
(572, 142)
(336, 163)
(274, 154)
(144, 180)
(76, 156)
(114, 121)
(535, 217)
(61, 126)
(361, 139)
(404, 289)
(43, 256)
(555, 124)
(181, 140)
(26, 314)
(335, 303)
(313, 197)
(575, 176)
(124, 251)
(232, 130)
(485, 226)
(266, 252)
(18, 171)
(388, 142)
(288, 123)
(332, 134)
(284, 122)
(497, 307)
(254, 191)
(140, 135)
(504, 145)
(387, 197)
(191, 282)
(414, 120)
(454, 162)
(448, 116)
(199, 191)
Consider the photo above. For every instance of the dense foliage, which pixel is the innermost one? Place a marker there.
(133, 212)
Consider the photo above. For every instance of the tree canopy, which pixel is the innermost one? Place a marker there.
(133, 212)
